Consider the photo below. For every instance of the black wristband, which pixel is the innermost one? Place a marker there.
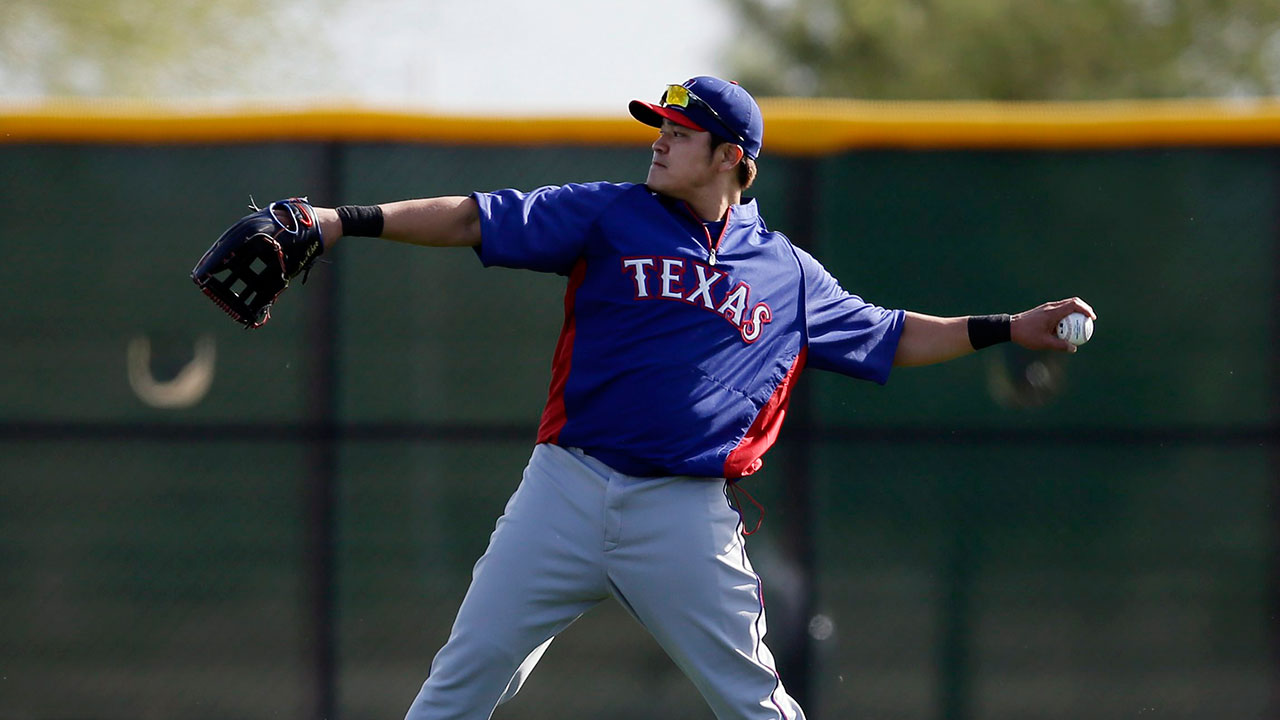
(361, 220)
(988, 330)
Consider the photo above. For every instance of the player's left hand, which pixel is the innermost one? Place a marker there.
(254, 260)
(1036, 329)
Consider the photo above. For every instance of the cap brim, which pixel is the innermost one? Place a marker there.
(654, 115)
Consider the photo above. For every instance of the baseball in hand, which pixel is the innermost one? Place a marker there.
(1076, 328)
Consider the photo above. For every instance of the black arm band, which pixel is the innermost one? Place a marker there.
(988, 330)
(361, 220)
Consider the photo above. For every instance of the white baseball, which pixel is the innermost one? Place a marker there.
(1076, 328)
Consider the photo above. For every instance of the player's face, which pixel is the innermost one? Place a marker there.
(682, 164)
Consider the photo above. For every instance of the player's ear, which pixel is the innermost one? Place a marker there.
(731, 155)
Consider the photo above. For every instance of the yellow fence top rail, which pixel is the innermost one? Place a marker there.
(792, 126)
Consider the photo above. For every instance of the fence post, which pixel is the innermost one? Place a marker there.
(796, 499)
(319, 485)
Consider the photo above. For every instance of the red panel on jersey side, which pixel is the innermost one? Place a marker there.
(553, 415)
(745, 458)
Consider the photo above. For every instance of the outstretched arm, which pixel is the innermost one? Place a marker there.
(927, 339)
(436, 222)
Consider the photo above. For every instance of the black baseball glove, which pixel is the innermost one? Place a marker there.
(254, 260)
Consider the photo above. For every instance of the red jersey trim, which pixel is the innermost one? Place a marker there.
(745, 458)
(553, 415)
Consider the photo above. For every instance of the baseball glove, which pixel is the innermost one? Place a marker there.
(254, 260)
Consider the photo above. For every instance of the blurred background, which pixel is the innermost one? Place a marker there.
(202, 522)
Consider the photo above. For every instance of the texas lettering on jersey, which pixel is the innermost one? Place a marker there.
(694, 283)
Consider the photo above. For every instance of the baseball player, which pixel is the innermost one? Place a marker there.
(687, 322)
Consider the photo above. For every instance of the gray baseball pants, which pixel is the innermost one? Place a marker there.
(577, 532)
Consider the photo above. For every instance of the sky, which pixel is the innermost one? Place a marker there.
(521, 57)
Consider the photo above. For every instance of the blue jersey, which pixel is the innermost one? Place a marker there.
(679, 349)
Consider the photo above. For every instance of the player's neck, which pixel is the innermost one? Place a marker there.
(711, 206)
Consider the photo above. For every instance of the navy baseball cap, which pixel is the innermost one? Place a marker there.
(708, 104)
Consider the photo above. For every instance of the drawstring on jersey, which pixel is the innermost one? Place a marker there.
(736, 504)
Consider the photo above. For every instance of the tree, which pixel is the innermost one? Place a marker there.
(1009, 49)
(152, 48)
